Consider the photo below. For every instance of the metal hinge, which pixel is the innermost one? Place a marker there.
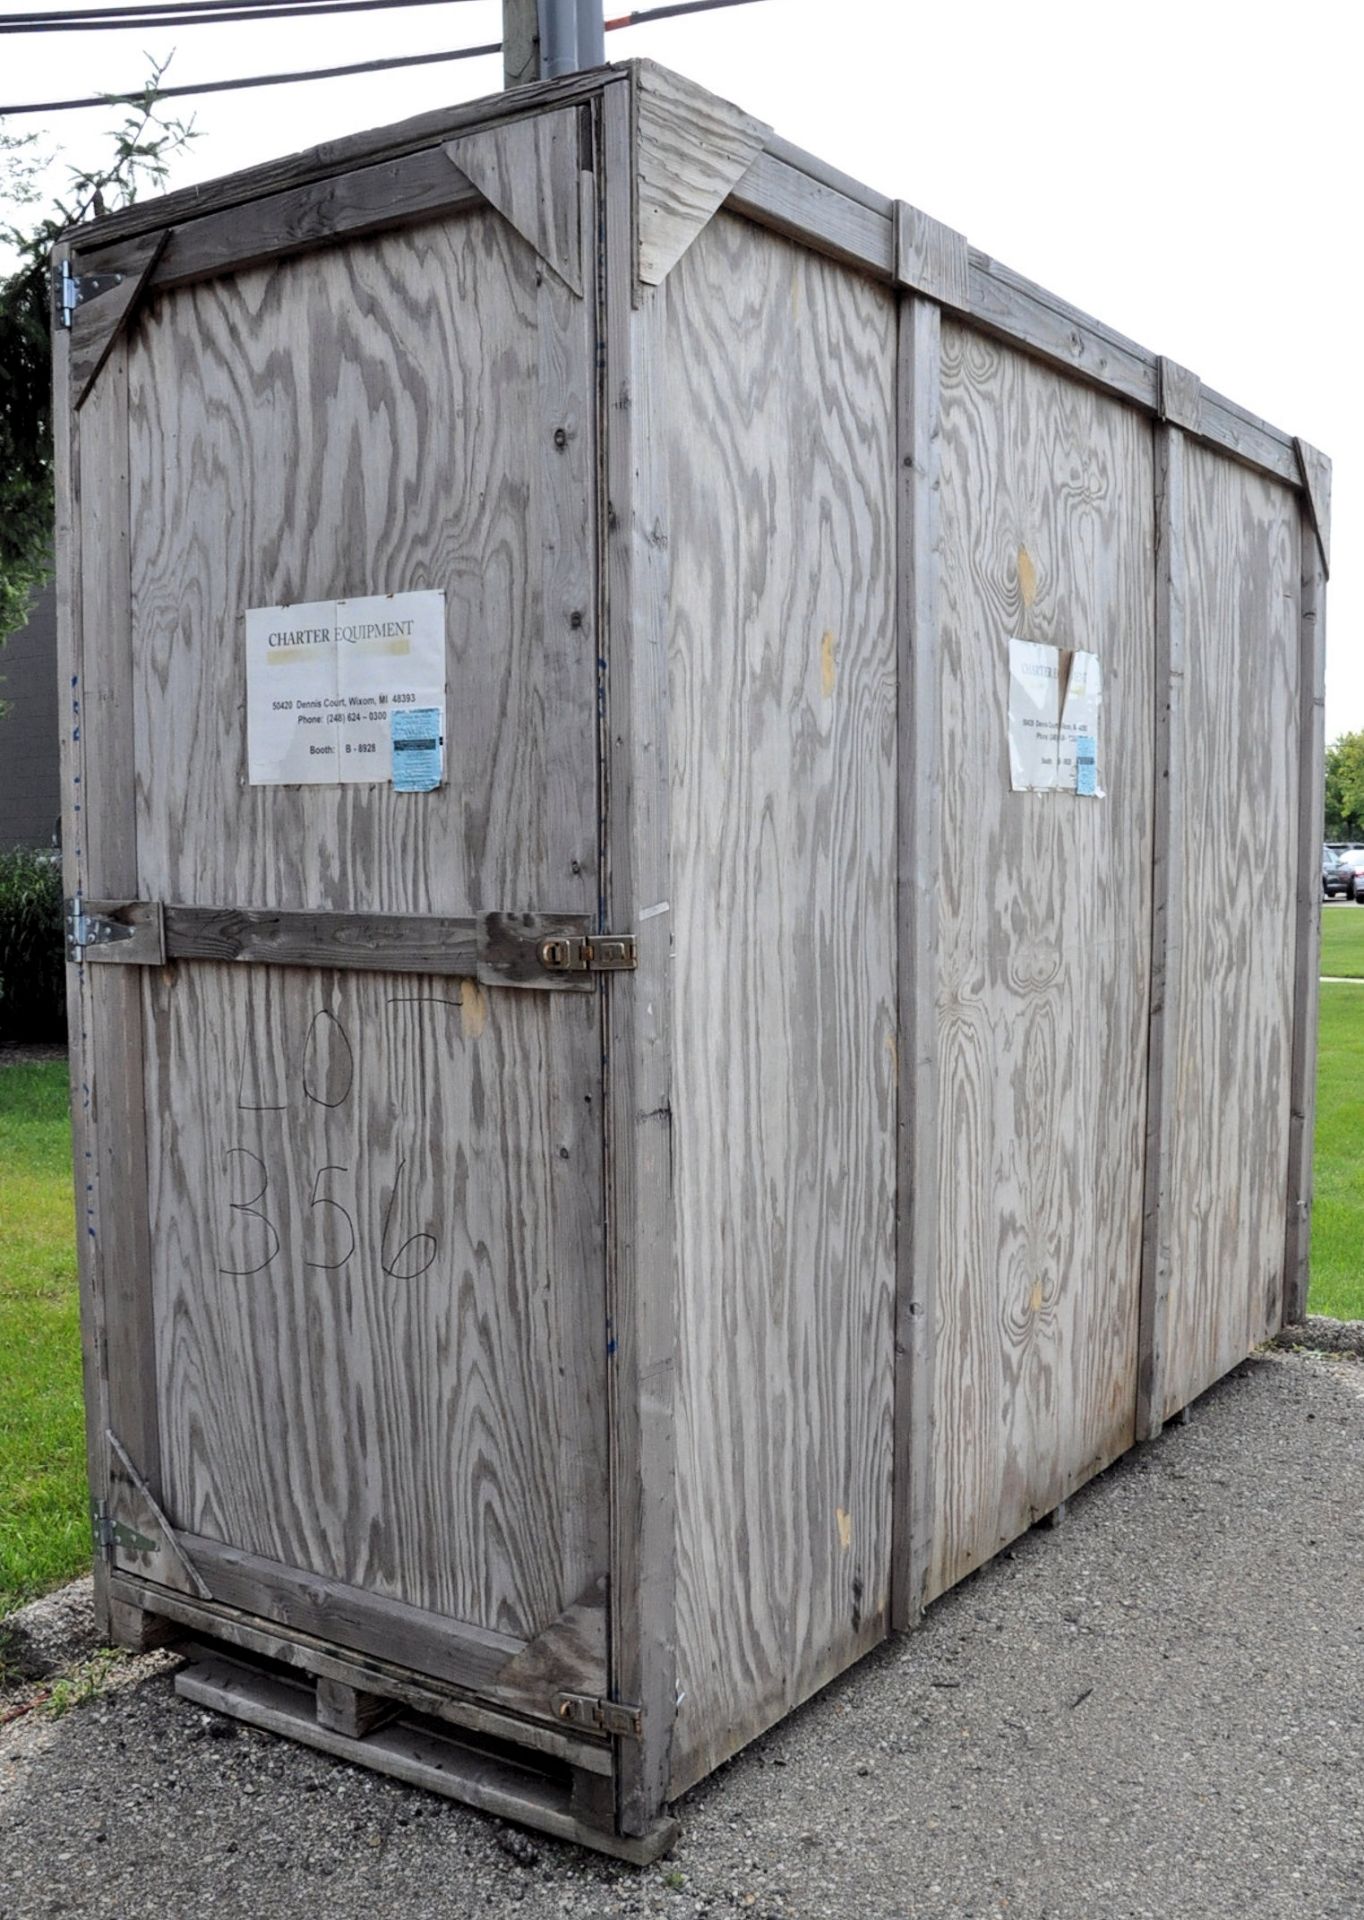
(602, 1716)
(91, 929)
(71, 290)
(109, 1533)
(595, 953)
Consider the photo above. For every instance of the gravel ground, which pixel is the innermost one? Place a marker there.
(1155, 1711)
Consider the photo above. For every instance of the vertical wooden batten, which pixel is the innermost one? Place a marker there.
(1166, 923)
(641, 1330)
(1307, 939)
(918, 789)
(72, 738)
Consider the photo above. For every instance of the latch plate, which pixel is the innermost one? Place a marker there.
(601, 1716)
(590, 953)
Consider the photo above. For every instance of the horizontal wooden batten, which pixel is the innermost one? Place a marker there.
(392, 194)
(453, 1650)
(497, 949)
(320, 1656)
(336, 190)
(793, 194)
(333, 157)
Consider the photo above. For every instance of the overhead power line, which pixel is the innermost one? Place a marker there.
(193, 13)
(635, 19)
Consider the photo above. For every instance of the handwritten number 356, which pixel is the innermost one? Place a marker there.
(407, 1262)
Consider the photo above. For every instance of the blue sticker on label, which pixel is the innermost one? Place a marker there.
(417, 745)
(1086, 764)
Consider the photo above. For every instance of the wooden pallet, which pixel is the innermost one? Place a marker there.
(370, 1731)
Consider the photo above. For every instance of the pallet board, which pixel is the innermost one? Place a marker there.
(574, 1257)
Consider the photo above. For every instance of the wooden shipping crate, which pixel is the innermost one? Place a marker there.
(575, 1255)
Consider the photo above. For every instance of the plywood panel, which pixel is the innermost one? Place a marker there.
(410, 411)
(1233, 1051)
(1044, 953)
(377, 1275)
(781, 519)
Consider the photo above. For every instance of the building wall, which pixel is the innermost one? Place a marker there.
(30, 794)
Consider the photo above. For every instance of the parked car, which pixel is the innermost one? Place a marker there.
(1337, 875)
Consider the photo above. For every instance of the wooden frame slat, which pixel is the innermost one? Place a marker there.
(334, 157)
(1167, 917)
(368, 1672)
(497, 949)
(918, 839)
(638, 1040)
(1307, 939)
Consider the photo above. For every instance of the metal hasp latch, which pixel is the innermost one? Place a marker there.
(594, 953)
(91, 929)
(602, 1716)
(73, 289)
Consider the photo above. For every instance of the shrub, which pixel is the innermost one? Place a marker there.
(32, 948)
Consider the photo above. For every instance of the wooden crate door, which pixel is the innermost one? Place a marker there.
(370, 1402)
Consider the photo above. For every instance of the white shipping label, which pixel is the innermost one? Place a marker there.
(324, 678)
(1054, 701)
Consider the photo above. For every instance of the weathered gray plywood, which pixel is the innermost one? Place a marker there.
(919, 863)
(411, 411)
(1234, 985)
(375, 1209)
(528, 169)
(641, 1293)
(782, 514)
(690, 149)
(1043, 954)
(1167, 920)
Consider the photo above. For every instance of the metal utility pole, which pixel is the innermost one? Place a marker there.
(544, 38)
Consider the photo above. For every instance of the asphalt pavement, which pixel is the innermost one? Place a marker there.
(1154, 1712)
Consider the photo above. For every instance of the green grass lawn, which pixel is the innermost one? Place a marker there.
(44, 1523)
(1338, 1205)
(1342, 941)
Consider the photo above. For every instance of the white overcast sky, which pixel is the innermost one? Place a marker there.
(1187, 170)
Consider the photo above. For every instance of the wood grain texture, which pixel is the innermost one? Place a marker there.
(791, 194)
(374, 144)
(790, 200)
(1239, 773)
(690, 149)
(369, 1673)
(1307, 933)
(919, 859)
(639, 1032)
(528, 170)
(385, 197)
(1043, 953)
(1315, 470)
(412, 411)
(98, 322)
(101, 829)
(420, 1756)
(1167, 921)
(782, 701)
(1180, 394)
(497, 949)
(930, 258)
(376, 1255)
(71, 751)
